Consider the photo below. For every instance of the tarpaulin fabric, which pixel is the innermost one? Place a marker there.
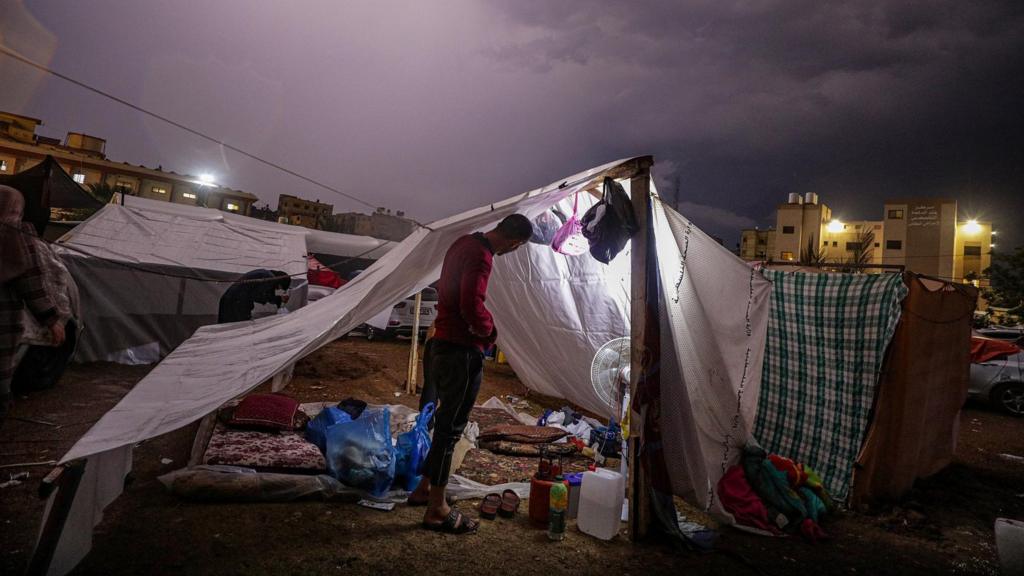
(719, 314)
(714, 311)
(985, 349)
(827, 337)
(320, 275)
(46, 185)
(924, 384)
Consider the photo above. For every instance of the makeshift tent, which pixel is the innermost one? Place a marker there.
(711, 345)
(924, 384)
(46, 185)
(150, 273)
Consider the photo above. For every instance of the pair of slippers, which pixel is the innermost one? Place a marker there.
(506, 504)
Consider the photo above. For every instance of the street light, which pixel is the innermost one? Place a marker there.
(835, 227)
(206, 178)
(972, 227)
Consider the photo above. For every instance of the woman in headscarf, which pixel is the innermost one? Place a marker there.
(21, 287)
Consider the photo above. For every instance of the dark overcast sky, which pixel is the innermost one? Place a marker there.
(436, 107)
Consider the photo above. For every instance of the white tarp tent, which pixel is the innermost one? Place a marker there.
(714, 316)
(151, 272)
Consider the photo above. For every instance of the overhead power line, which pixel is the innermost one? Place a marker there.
(16, 56)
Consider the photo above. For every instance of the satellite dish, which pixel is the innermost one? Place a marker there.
(609, 372)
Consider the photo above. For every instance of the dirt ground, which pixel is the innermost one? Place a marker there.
(944, 526)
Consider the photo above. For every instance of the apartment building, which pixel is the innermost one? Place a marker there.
(300, 212)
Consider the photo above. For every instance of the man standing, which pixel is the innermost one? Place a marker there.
(464, 328)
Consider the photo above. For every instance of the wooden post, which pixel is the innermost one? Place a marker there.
(65, 480)
(641, 346)
(410, 386)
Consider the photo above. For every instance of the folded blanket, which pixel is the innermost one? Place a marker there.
(523, 449)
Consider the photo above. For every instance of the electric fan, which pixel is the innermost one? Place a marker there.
(609, 373)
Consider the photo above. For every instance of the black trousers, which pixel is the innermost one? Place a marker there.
(455, 372)
(429, 392)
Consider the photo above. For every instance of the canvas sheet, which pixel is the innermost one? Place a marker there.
(827, 337)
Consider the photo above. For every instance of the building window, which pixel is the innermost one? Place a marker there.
(896, 214)
(124, 186)
(188, 195)
(824, 244)
(857, 227)
(894, 244)
(972, 250)
(787, 255)
(788, 229)
(852, 246)
(760, 241)
(232, 207)
(835, 244)
(3, 165)
(80, 178)
(876, 244)
(158, 190)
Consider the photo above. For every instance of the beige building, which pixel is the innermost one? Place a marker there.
(300, 212)
(925, 235)
(757, 244)
(84, 158)
(381, 224)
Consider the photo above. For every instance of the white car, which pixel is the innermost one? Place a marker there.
(403, 317)
(1001, 382)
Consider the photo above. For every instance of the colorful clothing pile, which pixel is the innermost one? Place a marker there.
(775, 494)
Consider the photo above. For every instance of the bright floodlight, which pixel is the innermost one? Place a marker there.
(206, 178)
(972, 227)
(835, 227)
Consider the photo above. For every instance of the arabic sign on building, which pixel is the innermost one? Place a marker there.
(924, 215)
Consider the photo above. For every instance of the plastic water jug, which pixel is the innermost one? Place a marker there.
(601, 495)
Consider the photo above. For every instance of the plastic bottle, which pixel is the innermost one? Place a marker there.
(559, 501)
(600, 509)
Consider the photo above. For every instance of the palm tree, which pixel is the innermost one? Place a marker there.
(812, 254)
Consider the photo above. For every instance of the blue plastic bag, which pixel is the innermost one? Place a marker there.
(316, 430)
(360, 454)
(411, 451)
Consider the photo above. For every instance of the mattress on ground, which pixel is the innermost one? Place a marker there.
(264, 451)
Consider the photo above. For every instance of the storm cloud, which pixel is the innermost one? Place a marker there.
(437, 107)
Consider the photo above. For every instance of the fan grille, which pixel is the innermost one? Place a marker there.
(609, 361)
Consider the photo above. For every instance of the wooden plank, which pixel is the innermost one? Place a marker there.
(65, 482)
(641, 251)
(414, 350)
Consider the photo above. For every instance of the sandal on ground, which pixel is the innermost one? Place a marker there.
(455, 523)
(489, 507)
(509, 504)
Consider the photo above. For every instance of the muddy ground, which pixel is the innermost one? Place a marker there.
(944, 526)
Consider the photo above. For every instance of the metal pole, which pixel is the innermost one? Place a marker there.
(414, 352)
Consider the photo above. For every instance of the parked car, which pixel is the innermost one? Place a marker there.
(403, 317)
(1015, 335)
(1001, 382)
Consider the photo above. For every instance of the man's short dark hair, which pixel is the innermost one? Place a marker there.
(281, 279)
(516, 227)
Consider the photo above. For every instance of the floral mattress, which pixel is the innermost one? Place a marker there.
(264, 451)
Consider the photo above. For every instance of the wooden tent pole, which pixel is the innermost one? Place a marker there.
(641, 345)
(410, 380)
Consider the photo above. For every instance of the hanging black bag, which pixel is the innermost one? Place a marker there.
(610, 223)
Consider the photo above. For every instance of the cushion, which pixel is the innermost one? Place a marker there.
(524, 434)
(266, 412)
(264, 451)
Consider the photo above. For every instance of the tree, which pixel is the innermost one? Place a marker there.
(812, 254)
(1006, 283)
(865, 247)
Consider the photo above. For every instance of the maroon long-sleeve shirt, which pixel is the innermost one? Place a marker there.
(462, 317)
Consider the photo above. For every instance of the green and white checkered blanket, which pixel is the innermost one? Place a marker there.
(827, 336)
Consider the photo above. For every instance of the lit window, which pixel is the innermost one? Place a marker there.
(125, 186)
(80, 178)
(158, 190)
(189, 195)
(787, 255)
(896, 214)
(232, 207)
(3, 165)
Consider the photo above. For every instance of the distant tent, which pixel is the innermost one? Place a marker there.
(44, 186)
(151, 272)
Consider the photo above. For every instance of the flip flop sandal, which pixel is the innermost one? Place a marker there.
(509, 504)
(489, 507)
(456, 523)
